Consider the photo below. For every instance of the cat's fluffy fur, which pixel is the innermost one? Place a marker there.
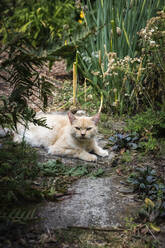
(69, 135)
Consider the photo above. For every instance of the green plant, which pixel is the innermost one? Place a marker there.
(18, 215)
(152, 40)
(110, 59)
(19, 72)
(53, 168)
(97, 173)
(151, 211)
(79, 170)
(150, 127)
(56, 168)
(127, 141)
(149, 187)
(150, 144)
(18, 170)
(45, 23)
(126, 158)
(143, 181)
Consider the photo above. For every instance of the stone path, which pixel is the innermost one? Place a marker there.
(95, 203)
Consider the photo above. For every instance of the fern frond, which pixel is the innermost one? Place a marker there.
(18, 70)
(19, 215)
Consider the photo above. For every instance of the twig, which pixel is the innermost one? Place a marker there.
(151, 233)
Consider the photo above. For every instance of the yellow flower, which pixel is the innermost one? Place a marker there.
(80, 21)
(81, 14)
(65, 42)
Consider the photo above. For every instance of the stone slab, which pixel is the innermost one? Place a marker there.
(94, 203)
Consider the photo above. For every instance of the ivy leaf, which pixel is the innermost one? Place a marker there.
(112, 139)
(163, 204)
(128, 138)
(142, 186)
(156, 186)
(120, 136)
(133, 145)
(150, 179)
(115, 147)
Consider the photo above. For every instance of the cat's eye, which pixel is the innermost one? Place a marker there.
(78, 128)
(89, 128)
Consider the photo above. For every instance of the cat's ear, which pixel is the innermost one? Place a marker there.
(71, 117)
(96, 118)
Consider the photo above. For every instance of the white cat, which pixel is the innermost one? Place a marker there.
(69, 135)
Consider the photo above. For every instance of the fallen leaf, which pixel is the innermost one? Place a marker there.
(118, 171)
(150, 203)
(155, 228)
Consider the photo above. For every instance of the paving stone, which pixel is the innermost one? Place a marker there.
(95, 203)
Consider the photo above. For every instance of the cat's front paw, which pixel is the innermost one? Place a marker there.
(88, 157)
(104, 153)
(51, 150)
(91, 158)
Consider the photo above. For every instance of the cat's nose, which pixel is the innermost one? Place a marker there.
(82, 134)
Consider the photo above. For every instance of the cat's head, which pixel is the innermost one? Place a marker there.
(83, 127)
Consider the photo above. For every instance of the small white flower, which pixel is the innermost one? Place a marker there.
(152, 43)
